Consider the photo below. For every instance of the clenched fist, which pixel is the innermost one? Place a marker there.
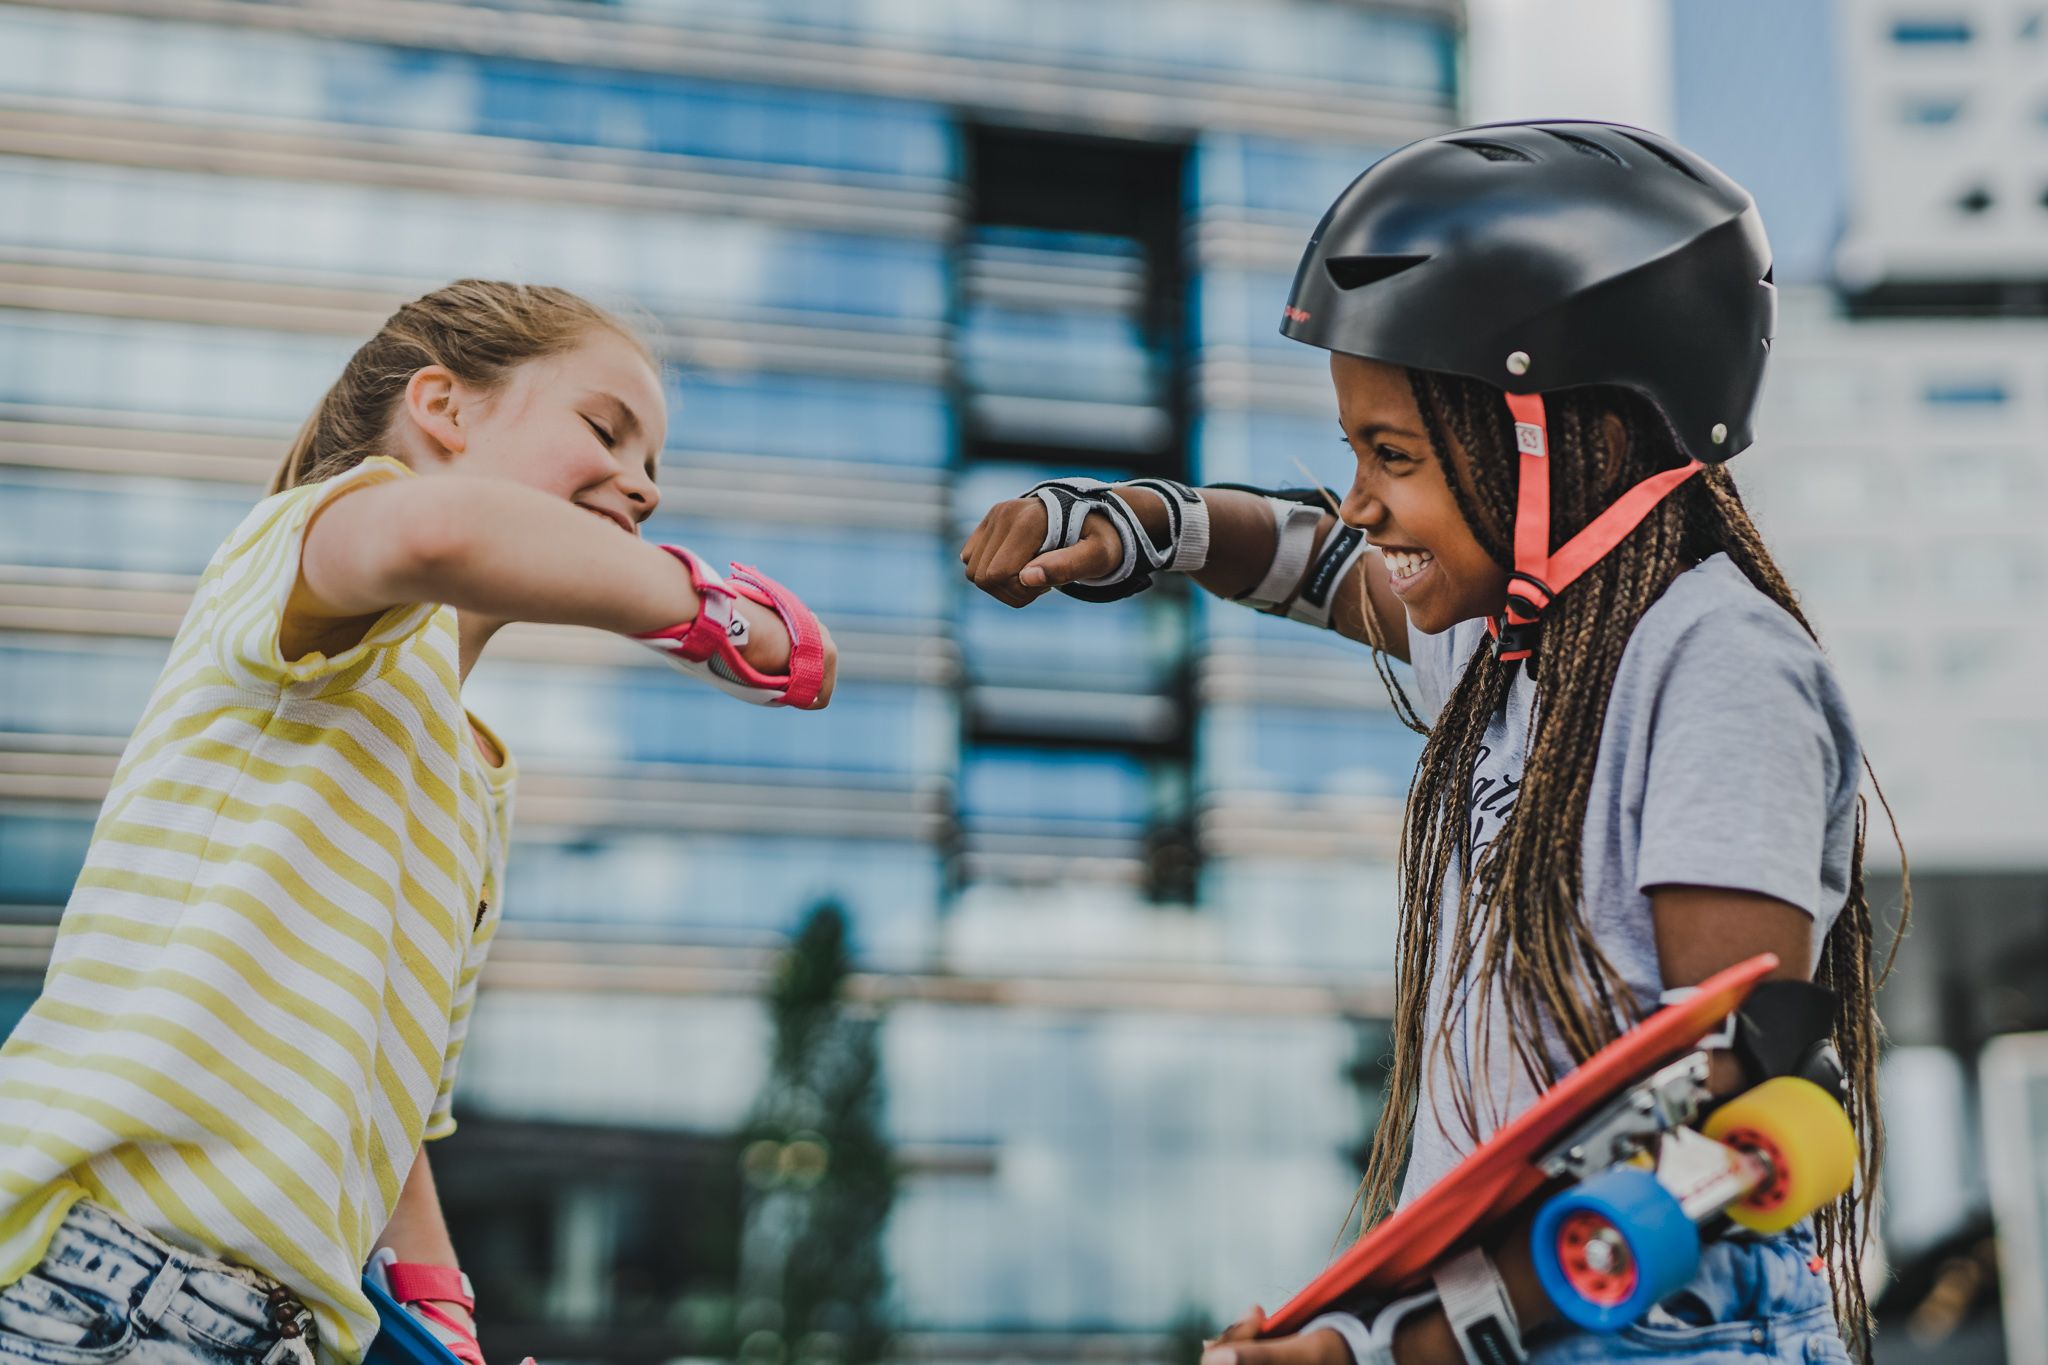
(1002, 557)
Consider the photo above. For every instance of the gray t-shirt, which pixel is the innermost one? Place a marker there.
(1727, 759)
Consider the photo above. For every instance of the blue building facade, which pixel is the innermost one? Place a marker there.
(1119, 877)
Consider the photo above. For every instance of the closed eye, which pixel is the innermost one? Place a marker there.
(603, 434)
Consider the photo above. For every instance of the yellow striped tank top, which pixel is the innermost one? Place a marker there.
(263, 978)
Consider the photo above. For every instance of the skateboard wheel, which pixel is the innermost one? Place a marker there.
(1611, 1246)
(1801, 1131)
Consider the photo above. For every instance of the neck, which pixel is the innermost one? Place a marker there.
(473, 632)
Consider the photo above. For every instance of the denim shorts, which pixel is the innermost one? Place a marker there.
(1756, 1301)
(107, 1291)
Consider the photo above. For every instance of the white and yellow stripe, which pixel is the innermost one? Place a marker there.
(265, 973)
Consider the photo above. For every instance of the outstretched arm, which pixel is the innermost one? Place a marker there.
(502, 551)
(1002, 557)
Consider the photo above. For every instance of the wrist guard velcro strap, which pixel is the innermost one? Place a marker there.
(1294, 526)
(1342, 549)
(709, 645)
(1187, 524)
(1370, 1343)
(1476, 1302)
(1067, 504)
(420, 1289)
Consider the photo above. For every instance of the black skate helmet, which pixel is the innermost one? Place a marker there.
(1553, 255)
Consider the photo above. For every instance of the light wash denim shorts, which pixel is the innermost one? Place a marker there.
(106, 1291)
(1755, 1301)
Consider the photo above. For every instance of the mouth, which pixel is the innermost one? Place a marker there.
(614, 518)
(1405, 568)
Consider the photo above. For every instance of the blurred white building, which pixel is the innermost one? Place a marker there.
(1948, 104)
(1900, 153)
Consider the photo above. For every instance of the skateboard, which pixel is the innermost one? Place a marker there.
(1625, 1186)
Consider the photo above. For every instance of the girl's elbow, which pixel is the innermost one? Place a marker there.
(429, 547)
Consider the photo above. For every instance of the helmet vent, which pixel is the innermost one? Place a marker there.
(1584, 146)
(1495, 151)
(1355, 272)
(1667, 158)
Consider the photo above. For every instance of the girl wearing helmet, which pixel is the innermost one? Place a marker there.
(1545, 341)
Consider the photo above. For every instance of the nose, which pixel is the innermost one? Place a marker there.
(641, 490)
(1362, 506)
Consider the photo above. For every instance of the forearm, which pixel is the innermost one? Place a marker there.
(509, 553)
(1426, 1339)
(417, 1231)
(1242, 542)
(1242, 537)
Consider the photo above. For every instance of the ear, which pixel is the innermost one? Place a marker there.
(434, 401)
(1615, 448)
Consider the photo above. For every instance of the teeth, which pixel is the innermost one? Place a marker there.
(1405, 563)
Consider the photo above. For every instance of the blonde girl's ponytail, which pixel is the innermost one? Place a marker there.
(479, 330)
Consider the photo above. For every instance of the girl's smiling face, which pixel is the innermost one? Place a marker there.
(1401, 498)
(586, 426)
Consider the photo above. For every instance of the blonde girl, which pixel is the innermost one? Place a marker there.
(215, 1111)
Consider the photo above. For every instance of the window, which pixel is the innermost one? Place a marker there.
(599, 718)
(660, 259)
(249, 72)
(1965, 392)
(1308, 751)
(1931, 32)
(1931, 111)
(53, 685)
(64, 521)
(40, 857)
(902, 577)
(1270, 176)
(736, 888)
(810, 417)
(1071, 281)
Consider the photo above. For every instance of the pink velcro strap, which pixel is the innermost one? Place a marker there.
(806, 641)
(702, 636)
(449, 1333)
(413, 1283)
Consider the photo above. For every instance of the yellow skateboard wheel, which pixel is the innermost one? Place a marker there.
(1801, 1131)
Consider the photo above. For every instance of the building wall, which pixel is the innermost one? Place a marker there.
(1950, 163)
(1121, 966)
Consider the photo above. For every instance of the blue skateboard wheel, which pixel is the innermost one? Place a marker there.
(1612, 1246)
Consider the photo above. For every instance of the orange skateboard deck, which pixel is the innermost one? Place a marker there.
(1504, 1171)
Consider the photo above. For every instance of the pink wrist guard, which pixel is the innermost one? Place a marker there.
(422, 1289)
(709, 645)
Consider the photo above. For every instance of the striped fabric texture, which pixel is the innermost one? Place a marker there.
(263, 978)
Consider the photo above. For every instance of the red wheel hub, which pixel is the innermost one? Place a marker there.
(1772, 1192)
(1596, 1259)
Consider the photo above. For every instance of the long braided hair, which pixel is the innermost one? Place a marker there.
(1519, 909)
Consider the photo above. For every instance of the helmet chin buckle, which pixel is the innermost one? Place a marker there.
(1515, 630)
(1513, 641)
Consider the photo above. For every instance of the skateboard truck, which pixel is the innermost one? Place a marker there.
(1669, 1099)
(1627, 1233)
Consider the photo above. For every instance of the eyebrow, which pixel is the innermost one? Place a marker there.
(628, 422)
(1368, 432)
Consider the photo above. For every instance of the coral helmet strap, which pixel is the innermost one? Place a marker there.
(1539, 575)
